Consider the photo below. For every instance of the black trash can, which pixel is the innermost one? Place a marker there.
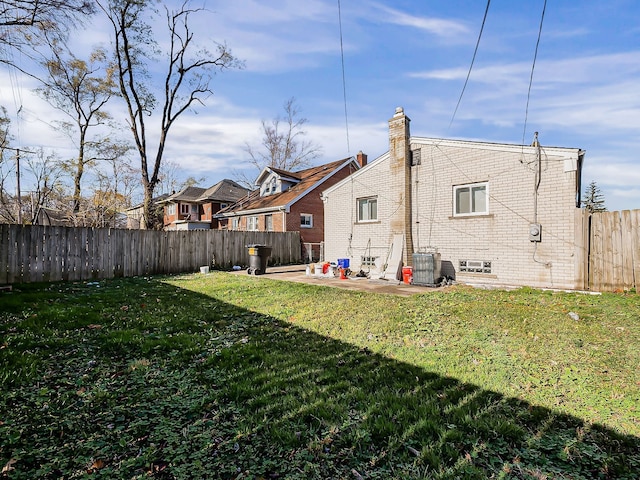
(258, 256)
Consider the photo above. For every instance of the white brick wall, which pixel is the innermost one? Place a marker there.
(501, 237)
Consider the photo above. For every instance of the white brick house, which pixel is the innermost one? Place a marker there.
(473, 202)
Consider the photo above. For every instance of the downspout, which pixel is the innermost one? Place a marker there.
(284, 218)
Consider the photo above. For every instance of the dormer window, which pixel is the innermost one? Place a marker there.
(271, 186)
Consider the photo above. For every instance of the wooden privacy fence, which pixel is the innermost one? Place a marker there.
(612, 247)
(35, 253)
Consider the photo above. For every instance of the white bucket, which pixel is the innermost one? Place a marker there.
(204, 269)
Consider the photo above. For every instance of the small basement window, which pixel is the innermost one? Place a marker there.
(475, 266)
(369, 261)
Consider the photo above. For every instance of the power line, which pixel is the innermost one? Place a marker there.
(484, 19)
(344, 82)
(533, 66)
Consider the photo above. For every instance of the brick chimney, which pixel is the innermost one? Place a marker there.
(400, 179)
(361, 158)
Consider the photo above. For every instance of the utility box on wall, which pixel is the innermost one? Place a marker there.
(535, 232)
(426, 268)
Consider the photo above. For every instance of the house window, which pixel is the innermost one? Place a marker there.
(171, 209)
(185, 208)
(471, 199)
(223, 205)
(368, 209)
(306, 220)
(235, 224)
(252, 224)
(268, 223)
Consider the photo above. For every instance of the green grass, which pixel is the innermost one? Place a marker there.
(229, 376)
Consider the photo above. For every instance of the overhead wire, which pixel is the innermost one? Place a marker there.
(453, 116)
(533, 67)
(344, 81)
(473, 59)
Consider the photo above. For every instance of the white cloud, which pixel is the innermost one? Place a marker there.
(439, 27)
(615, 174)
(274, 36)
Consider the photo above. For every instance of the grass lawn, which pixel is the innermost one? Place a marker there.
(236, 377)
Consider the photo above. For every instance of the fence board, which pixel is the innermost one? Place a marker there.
(595, 253)
(581, 251)
(635, 236)
(56, 259)
(20, 254)
(627, 249)
(35, 255)
(4, 254)
(614, 223)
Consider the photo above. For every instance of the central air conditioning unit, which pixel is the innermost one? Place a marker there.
(426, 269)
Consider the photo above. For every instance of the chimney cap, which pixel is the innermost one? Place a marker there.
(399, 111)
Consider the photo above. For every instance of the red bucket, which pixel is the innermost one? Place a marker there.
(407, 275)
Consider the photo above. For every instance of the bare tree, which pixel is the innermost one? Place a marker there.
(7, 200)
(114, 188)
(26, 23)
(283, 144)
(44, 180)
(169, 179)
(186, 81)
(80, 89)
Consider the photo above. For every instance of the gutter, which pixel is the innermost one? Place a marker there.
(239, 213)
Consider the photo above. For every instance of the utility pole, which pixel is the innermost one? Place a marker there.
(19, 194)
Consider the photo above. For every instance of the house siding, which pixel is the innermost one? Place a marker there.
(501, 237)
(344, 236)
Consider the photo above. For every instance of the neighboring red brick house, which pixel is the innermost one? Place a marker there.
(193, 208)
(289, 201)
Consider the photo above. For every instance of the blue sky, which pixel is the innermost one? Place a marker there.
(415, 54)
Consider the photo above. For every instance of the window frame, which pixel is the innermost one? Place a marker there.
(310, 217)
(369, 200)
(252, 223)
(268, 223)
(171, 209)
(185, 208)
(235, 223)
(470, 187)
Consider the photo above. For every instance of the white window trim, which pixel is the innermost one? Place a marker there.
(368, 199)
(185, 208)
(267, 227)
(171, 209)
(470, 186)
(310, 216)
(252, 219)
(235, 223)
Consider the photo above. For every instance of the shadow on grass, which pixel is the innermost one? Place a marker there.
(185, 386)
